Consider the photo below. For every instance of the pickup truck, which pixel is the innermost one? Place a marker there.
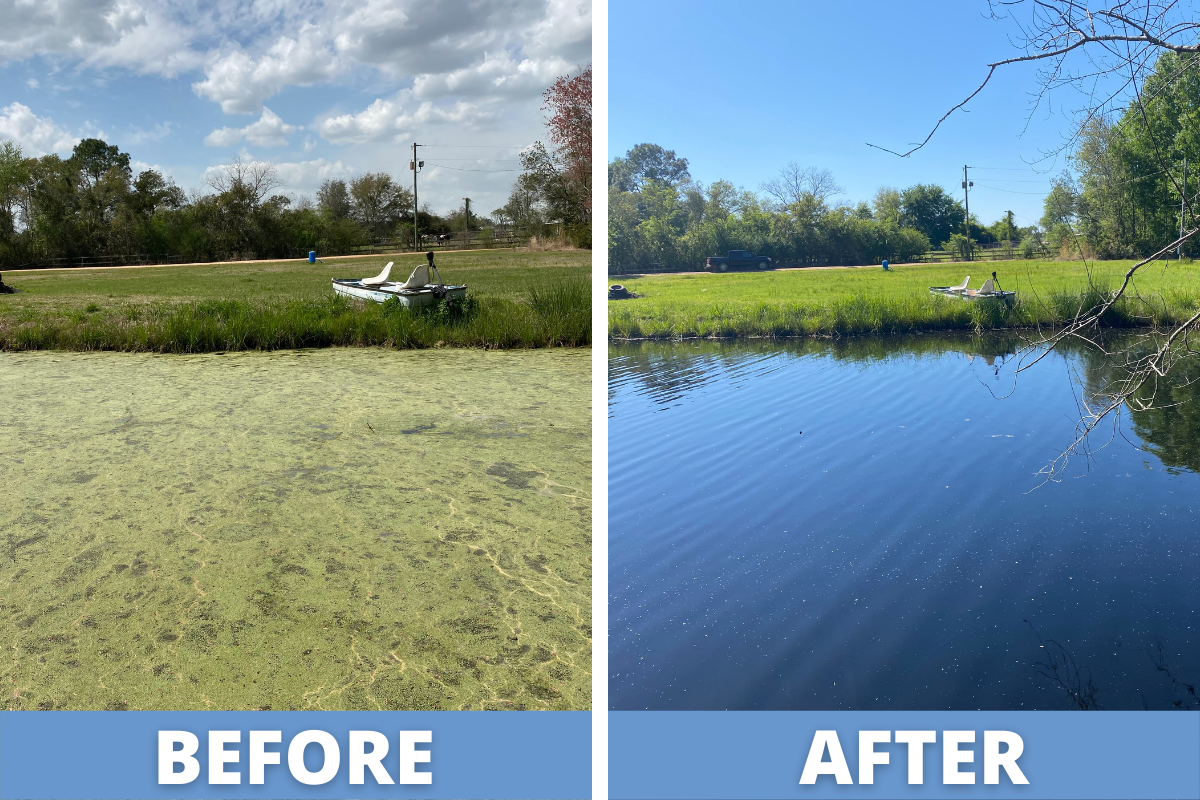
(737, 259)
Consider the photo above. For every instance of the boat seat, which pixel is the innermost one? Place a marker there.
(418, 279)
(962, 287)
(379, 279)
(988, 287)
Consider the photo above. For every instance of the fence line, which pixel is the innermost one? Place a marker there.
(101, 261)
(436, 243)
(381, 246)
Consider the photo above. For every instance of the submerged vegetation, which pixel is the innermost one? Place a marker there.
(325, 529)
(520, 300)
(850, 302)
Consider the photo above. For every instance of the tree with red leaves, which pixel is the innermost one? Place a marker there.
(555, 187)
(569, 102)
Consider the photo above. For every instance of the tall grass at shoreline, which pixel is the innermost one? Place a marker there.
(863, 314)
(259, 324)
(830, 304)
(520, 300)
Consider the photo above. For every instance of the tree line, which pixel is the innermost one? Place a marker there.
(1122, 196)
(659, 215)
(92, 205)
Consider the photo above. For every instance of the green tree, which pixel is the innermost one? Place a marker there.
(14, 174)
(333, 198)
(886, 205)
(647, 162)
(929, 209)
(378, 202)
(95, 157)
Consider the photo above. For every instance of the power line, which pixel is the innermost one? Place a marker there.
(1010, 191)
(461, 169)
(478, 146)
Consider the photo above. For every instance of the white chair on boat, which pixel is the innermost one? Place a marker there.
(380, 279)
(988, 287)
(418, 279)
(962, 287)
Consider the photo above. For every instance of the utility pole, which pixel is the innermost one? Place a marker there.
(415, 166)
(1182, 208)
(966, 185)
(467, 219)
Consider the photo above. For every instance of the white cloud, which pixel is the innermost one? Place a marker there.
(36, 135)
(97, 33)
(246, 51)
(395, 119)
(411, 36)
(32, 83)
(298, 176)
(240, 82)
(156, 134)
(269, 131)
(564, 32)
(307, 176)
(494, 76)
(146, 42)
(139, 167)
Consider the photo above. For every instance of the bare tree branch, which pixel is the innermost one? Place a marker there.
(1061, 27)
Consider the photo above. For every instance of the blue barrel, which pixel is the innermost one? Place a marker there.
(312, 256)
(885, 264)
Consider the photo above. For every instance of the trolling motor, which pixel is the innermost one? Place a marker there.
(997, 280)
(439, 291)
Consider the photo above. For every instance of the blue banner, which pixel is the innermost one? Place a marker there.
(904, 754)
(97, 755)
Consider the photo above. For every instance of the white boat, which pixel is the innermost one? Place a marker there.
(418, 290)
(987, 291)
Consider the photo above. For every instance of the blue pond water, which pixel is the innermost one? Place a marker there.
(862, 526)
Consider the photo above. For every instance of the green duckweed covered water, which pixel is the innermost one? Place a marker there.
(332, 529)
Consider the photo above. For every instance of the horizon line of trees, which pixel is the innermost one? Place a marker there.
(92, 205)
(659, 215)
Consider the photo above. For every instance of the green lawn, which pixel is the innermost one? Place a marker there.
(283, 304)
(869, 300)
(487, 272)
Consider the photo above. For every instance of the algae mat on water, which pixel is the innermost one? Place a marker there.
(334, 529)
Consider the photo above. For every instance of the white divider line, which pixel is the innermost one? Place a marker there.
(600, 400)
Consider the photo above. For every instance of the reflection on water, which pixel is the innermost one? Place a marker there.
(334, 529)
(860, 524)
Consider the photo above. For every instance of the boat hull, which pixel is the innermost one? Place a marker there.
(380, 294)
(1006, 297)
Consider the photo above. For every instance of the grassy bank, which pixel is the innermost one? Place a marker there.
(871, 301)
(524, 300)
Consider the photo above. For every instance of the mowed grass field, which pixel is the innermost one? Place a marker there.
(868, 300)
(526, 299)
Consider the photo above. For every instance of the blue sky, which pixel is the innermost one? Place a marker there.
(741, 89)
(322, 88)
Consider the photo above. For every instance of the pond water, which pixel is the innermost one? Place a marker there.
(861, 525)
(322, 529)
